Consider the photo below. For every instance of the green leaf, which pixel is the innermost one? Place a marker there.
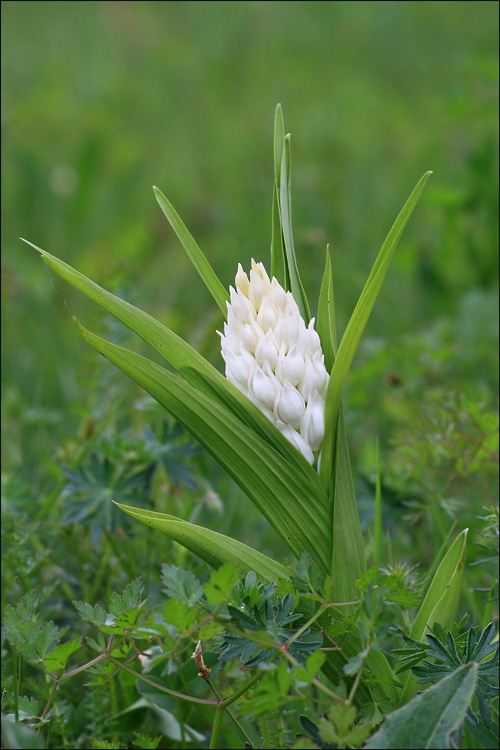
(277, 250)
(221, 583)
(187, 361)
(348, 555)
(59, 656)
(19, 736)
(212, 547)
(356, 326)
(279, 491)
(441, 601)
(325, 323)
(285, 202)
(429, 720)
(130, 598)
(95, 615)
(179, 583)
(199, 261)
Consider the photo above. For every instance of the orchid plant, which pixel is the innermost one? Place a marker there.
(274, 422)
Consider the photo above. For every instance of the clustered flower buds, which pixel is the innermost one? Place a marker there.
(275, 359)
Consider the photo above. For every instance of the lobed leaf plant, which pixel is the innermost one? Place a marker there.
(281, 439)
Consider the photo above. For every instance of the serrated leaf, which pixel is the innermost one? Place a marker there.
(221, 583)
(181, 584)
(129, 599)
(95, 615)
(59, 656)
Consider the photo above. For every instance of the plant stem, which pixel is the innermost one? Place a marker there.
(219, 715)
(233, 717)
(162, 688)
(356, 681)
(51, 696)
(377, 552)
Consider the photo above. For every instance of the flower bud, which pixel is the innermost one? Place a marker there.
(274, 359)
(263, 388)
(291, 406)
(312, 428)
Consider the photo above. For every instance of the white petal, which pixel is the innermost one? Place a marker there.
(293, 366)
(267, 316)
(312, 428)
(263, 388)
(296, 440)
(237, 368)
(266, 350)
(277, 295)
(291, 406)
(241, 280)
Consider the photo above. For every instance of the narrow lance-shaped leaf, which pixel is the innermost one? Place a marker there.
(356, 326)
(212, 547)
(289, 503)
(198, 259)
(286, 221)
(348, 556)
(325, 323)
(441, 601)
(186, 360)
(429, 720)
(277, 250)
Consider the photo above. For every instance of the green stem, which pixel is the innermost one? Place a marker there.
(219, 715)
(377, 552)
(308, 624)
(162, 688)
(356, 681)
(233, 717)
(51, 696)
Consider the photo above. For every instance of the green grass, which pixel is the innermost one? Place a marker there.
(101, 101)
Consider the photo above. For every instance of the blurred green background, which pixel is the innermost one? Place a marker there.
(102, 100)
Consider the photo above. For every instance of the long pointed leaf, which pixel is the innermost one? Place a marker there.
(348, 557)
(356, 326)
(441, 601)
(201, 264)
(286, 221)
(325, 323)
(277, 250)
(210, 546)
(186, 360)
(429, 720)
(290, 503)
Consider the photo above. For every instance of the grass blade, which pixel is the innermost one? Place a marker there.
(277, 251)
(325, 323)
(212, 547)
(201, 264)
(348, 556)
(356, 326)
(441, 601)
(286, 222)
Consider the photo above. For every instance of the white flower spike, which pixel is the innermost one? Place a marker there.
(275, 359)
